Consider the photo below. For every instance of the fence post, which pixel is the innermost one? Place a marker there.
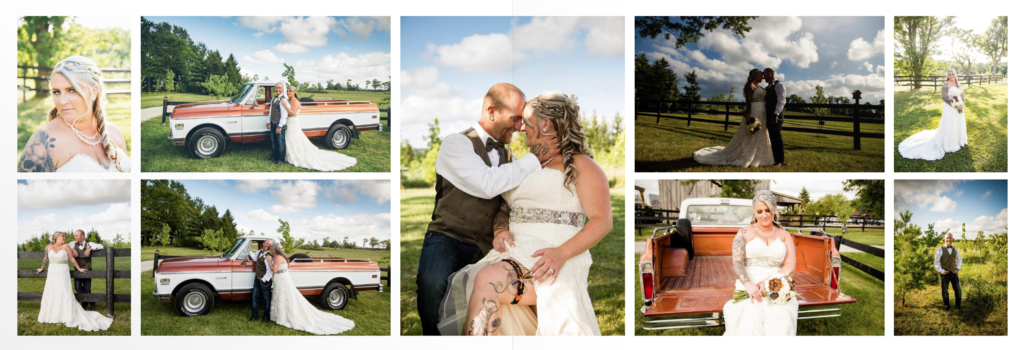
(727, 118)
(110, 282)
(689, 114)
(636, 111)
(659, 112)
(856, 120)
(163, 113)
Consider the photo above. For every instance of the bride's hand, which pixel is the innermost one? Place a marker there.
(40, 270)
(549, 265)
(754, 291)
(81, 270)
(500, 238)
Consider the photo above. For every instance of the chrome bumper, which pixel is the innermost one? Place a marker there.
(717, 319)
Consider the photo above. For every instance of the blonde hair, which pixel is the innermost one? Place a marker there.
(766, 197)
(563, 112)
(53, 239)
(82, 70)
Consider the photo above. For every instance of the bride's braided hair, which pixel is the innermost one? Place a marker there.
(563, 112)
(78, 70)
(749, 87)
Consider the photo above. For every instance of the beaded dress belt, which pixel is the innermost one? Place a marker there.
(757, 99)
(58, 262)
(545, 216)
(763, 262)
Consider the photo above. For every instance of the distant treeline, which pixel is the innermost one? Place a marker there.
(38, 243)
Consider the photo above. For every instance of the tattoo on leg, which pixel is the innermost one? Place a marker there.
(739, 256)
(36, 155)
(511, 283)
(483, 324)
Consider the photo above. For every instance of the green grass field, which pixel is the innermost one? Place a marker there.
(605, 284)
(372, 149)
(984, 303)
(28, 311)
(669, 146)
(32, 115)
(864, 317)
(371, 312)
(986, 149)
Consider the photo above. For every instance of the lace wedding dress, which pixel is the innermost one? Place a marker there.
(59, 305)
(82, 162)
(544, 215)
(300, 152)
(290, 309)
(750, 318)
(947, 138)
(745, 149)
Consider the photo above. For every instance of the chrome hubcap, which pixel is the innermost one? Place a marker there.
(337, 297)
(195, 301)
(339, 138)
(207, 145)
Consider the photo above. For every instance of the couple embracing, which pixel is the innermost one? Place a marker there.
(753, 145)
(288, 143)
(507, 250)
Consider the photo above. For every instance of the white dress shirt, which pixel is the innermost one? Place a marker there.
(92, 246)
(284, 112)
(460, 165)
(938, 255)
(780, 90)
(253, 257)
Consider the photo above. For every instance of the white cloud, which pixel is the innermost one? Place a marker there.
(253, 186)
(367, 66)
(112, 220)
(425, 82)
(294, 196)
(260, 215)
(356, 227)
(989, 224)
(265, 24)
(861, 50)
(290, 48)
(491, 53)
(950, 225)
(114, 213)
(263, 57)
(925, 194)
(766, 45)
(359, 28)
(307, 31)
(605, 35)
(53, 194)
(986, 194)
(347, 191)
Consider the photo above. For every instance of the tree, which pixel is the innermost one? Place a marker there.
(995, 42)
(289, 74)
(693, 89)
(165, 236)
(367, 84)
(819, 98)
(316, 244)
(870, 196)
(373, 242)
(375, 84)
(169, 80)
(913, 262)
(805, 198)
(916, 37)
(965, 45)
(386, 243)
(45, 39)
(690, 29)
(228, 225)
(213, 240)
(327, 242)
(365, 240)
(219, 85)
(287, 241)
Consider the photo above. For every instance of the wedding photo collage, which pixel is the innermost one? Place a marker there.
(839, 174)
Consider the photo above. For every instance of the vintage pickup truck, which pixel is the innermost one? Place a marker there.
(194, 282)
(687, 275)
(206, 126)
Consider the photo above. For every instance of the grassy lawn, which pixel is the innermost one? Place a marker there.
(605, 284)
(371, 312)
(986, 149)
(669, 146)
(28, 311)
(865, 317)
(983, 305)
(32, 115)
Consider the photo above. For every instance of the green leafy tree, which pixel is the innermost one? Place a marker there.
(916, 40)
(870, 196)
(693, 89)
(805, 198)
(287, 241)
(689, 29)
(365, 240)
(995, 42)
(965, 45)
(165, 235)
(220, 86)
(289, 74)
(169, 80)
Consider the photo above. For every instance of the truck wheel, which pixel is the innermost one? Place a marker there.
(206, 143)
(195, 299)
(338, 137)
(683, 237)
(334, 297)
(297, 256)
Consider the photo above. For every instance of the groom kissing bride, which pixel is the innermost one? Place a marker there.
(752, 145)
(507, 248)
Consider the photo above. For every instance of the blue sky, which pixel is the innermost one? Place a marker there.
(979, 203)
(320, 48)
(448, 63)
(842, 54)
(56, 205)
(315, 209)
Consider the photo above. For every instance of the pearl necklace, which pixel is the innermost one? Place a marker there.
(547, 161)
(763, 234)
(81, 135)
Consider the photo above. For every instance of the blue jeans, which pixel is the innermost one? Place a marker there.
(84, 286)
(948, 278)
(441, 256)
(260, 290)
(277, 145)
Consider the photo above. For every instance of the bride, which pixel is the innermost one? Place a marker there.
(745, 149)
(534, 281)
(951, 133)
(300, 151)
(59, 304)
(290, 309)
(760, 250)
(76, 137)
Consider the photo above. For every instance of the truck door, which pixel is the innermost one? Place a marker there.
(254, 119)
(243, 273)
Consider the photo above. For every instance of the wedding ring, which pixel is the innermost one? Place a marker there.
(551, 271)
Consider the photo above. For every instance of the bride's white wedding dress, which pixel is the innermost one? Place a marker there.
(745, 149)
(544, 215)
(750, 318)
(300, 152)
(59, 304)
(290, 309)
(82, 162)
(947, 138)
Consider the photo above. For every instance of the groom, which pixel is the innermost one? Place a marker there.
(262, 283)
(82, 251)
(473, 169)
(774, 103)
(947, 262)
(276, 125)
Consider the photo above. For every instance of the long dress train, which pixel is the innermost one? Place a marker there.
(290, 309)
(301, 152)
(947, 138)
(745, 149)
(59, 304)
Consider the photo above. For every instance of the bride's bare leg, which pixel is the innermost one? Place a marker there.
(495, 286)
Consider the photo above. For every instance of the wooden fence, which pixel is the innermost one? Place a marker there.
(165, 113)
(109, 275)
(25, 77)
(736, 109)
(935, 81)
(664, 218)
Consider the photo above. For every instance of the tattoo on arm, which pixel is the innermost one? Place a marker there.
(945, 93)
(502, 217)
(739, 256)
(36, 155)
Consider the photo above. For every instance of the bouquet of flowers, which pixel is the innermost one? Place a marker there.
(778, 289)
(957, 103)
(753, 125)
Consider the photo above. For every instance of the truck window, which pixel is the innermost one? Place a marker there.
(719, 214)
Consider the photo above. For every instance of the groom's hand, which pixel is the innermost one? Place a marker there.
(279, 130)
(775, 118)
(956, 272)
(268, 126)
(500, 238)
(545, 147)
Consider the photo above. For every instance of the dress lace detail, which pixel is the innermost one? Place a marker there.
(289, 308)
(749, 318)
(947, 138)
(534, 215)
(744, 149)
(301, 152)
(59, 305)
(83, 163)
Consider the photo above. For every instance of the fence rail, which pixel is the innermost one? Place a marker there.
(109, 274)
(25, 77)
(736, 109)
(937, 80)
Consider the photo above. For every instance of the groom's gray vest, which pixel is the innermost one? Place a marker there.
(948, 260)
(83, 261)
(464, 217)
(771, 99)
(261, 264)
(275, 113)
